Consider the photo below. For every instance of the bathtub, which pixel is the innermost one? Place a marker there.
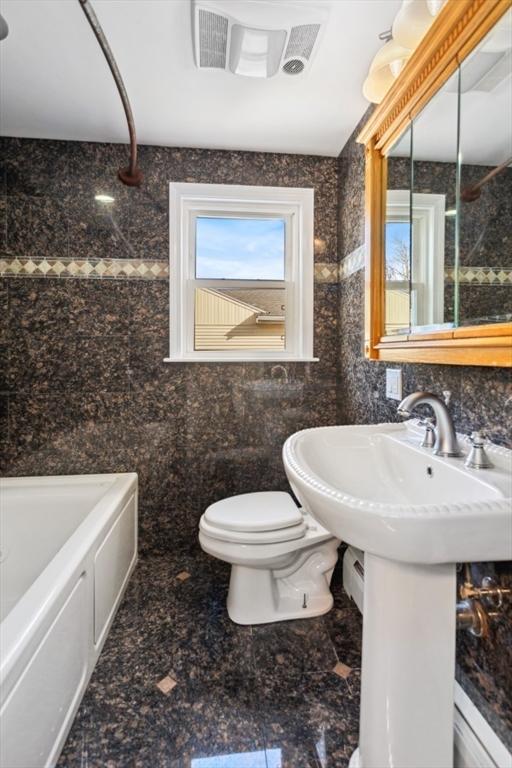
(68, 547)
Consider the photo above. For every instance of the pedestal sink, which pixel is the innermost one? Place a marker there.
(415, 515)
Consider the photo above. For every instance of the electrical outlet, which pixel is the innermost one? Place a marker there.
(394, 383)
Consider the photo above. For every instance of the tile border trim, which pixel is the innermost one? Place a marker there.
(92, 268)
(132, 269)
(480, 275)
(353, 262)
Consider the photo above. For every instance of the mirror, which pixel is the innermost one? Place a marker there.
(448, 253)
(438, 197)
(397, 238)
(485, 149)
(434, 209)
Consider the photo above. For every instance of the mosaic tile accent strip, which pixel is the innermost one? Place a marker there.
(326, 273)
(134, 269)
(85, 268)
(481, 275)
(352, 263)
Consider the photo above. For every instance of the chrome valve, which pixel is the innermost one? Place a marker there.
(477, 457)
(429, 438)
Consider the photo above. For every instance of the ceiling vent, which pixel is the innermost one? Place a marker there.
(255, 38)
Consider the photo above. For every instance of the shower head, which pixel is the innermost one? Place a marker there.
(4, 28)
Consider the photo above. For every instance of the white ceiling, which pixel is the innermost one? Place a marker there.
(54, 82)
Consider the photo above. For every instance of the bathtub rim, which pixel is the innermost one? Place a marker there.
(26, 623)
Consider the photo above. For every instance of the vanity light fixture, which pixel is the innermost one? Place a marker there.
(385, 67)
(410, 24)
(105, 199)
(412, 21)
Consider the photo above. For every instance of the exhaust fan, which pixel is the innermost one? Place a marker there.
(256, 38)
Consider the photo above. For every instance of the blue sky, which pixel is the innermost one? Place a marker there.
(395, 230)
(240, 249)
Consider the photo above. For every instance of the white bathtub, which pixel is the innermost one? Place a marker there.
(69, 545)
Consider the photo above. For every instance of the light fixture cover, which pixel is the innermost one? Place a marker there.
(256, 52)
(384, 68)
(411, 22)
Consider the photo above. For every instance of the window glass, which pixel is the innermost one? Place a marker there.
(241, 318)
(240, 249)
(398, 259)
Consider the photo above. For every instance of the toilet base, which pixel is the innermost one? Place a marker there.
(300, 591)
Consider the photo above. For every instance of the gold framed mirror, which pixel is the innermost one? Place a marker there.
(438, 152)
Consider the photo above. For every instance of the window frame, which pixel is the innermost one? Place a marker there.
(187, 201)
(427, 252)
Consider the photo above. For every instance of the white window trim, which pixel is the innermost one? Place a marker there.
(186, 201)
(428, 238)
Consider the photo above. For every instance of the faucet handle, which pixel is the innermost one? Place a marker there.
(477, 438)
(429, 437)
(477, 457)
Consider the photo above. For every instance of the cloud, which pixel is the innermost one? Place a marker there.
(240, 249)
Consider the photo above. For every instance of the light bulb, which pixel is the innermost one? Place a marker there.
(411, 22)
(396, 67)
(434, 6)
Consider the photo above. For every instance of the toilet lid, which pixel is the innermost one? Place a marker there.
(254, 538)
(254, 512)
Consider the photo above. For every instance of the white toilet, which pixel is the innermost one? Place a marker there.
(282, 559)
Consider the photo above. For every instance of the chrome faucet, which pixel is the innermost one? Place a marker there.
(446, 440)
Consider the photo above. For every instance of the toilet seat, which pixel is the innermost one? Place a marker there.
(268, 517)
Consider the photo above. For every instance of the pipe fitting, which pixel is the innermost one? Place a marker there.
(471, 615)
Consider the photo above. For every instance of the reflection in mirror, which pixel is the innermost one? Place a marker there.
(434, 210)
(397, 237)
(485, 218)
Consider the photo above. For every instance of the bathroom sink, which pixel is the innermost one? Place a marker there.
(415, 515)
(376, 488)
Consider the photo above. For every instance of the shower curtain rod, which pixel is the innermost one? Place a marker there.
(132, 175)
(472, 193)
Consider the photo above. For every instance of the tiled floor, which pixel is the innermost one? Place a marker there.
(245, 697)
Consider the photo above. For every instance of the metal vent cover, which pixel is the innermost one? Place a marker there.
(293, 66)
(301, 41)
(213, 39)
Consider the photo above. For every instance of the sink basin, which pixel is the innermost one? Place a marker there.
(415, 515)
(376, 488)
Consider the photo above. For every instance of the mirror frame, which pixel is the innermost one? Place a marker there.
(456, 31)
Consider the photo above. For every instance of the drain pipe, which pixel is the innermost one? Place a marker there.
(132, 175)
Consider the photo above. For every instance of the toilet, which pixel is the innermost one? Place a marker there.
(281, 559)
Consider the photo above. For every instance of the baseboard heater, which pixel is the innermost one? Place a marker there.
(476, 745)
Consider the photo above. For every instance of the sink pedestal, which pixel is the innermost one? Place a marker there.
(408, 666)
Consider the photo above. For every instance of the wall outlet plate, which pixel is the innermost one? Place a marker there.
(394, 383)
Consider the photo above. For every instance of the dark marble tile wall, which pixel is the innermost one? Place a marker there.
(480, 398)
(83, 387)
(485, 232)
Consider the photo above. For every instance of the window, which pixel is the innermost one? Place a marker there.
(414, 285)
(241, 272)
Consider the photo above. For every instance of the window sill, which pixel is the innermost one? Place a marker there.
(211, 359)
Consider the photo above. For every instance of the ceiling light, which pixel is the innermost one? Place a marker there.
(410, 24)
(384, 68)
(434, 6)
(412, 21)
(104, 199)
